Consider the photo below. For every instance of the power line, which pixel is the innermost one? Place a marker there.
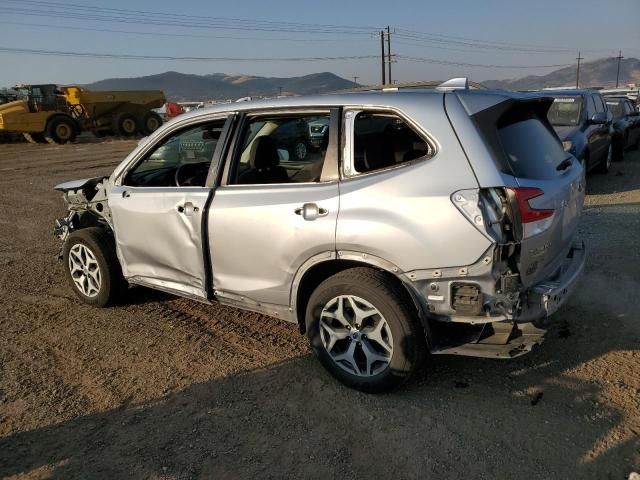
(102, 14)
(170, 34)
(29, 51)
(463, 64)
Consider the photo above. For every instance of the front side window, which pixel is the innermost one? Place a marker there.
(282, 149)
(181, 160)
(383, 140)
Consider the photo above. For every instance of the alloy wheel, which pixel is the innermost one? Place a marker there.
(356, 335)
(85, 271)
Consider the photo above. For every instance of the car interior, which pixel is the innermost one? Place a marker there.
(279, 150)
(183, 160)
(383, 141)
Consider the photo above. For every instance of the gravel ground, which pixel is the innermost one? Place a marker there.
(161, 387)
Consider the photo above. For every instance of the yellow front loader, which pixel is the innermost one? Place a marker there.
(52, 114)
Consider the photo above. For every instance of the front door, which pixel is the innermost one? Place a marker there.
(158, 208)
(277, 206)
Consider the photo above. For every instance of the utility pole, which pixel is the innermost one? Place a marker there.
(382, 56)
(280, 91)
(579, 58)
(355, 79)
(619, 57)
(389, 52)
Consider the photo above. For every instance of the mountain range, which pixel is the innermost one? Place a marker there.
(183, 86)
(598, 73)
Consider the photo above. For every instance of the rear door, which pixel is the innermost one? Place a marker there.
(273, 210)
(550, 180)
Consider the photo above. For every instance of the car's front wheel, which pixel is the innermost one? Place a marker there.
(92, 267)
(364, 329)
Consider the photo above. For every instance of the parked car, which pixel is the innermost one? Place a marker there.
(626, 125)
(583, 123)
(438, 221)
(319, 133)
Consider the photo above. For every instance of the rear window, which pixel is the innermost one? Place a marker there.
(532, 150)
(565, 111)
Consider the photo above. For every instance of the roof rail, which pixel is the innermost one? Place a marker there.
(460, 83)
(408, 86)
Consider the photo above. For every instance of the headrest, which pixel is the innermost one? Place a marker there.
(264, 153)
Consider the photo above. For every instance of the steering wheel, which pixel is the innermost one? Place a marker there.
(191, 174)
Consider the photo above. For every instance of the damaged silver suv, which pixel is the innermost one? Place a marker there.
(438, 221)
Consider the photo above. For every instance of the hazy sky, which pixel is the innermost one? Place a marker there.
(597, 28)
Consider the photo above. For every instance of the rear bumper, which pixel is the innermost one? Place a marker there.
(547, 297)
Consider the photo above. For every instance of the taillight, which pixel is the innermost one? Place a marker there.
(529, 214)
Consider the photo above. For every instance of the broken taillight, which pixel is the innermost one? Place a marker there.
(529, 214)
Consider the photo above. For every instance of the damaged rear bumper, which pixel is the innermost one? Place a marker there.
(512, 337)
(547, 297)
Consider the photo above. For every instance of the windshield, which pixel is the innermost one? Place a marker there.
(565, 111)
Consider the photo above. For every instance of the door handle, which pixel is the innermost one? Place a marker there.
(311, 211)
(187, 209)
(125, 194)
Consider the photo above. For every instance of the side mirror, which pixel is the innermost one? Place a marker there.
(599, 118)
(634, 113)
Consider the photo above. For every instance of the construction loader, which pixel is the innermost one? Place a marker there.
(53, 114)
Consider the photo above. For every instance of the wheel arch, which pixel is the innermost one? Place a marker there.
(322, 266)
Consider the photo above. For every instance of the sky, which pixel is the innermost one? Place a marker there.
(538, 34)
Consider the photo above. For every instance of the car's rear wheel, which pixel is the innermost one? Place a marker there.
(364, 329)
(92, 267)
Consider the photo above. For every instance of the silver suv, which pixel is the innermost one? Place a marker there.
(438, 221)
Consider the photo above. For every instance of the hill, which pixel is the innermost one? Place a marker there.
(183, 86)
(598, 73)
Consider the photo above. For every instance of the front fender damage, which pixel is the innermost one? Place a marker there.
(87, 205)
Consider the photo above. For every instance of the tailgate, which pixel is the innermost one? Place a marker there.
(548, 199)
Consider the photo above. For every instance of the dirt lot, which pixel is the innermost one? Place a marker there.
(162, 387)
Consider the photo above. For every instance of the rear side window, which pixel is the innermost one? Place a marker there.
(531, 149)
(383, 140)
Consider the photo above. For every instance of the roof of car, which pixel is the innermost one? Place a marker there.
(568, 92)
(399, 98)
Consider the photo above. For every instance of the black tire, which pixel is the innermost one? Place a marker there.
(125, 125)
(603, 166)
(112, 285)
(61, 130)
(617, 148)
(393, 303)
(34, 137)
(300, 149)
(150, 122)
